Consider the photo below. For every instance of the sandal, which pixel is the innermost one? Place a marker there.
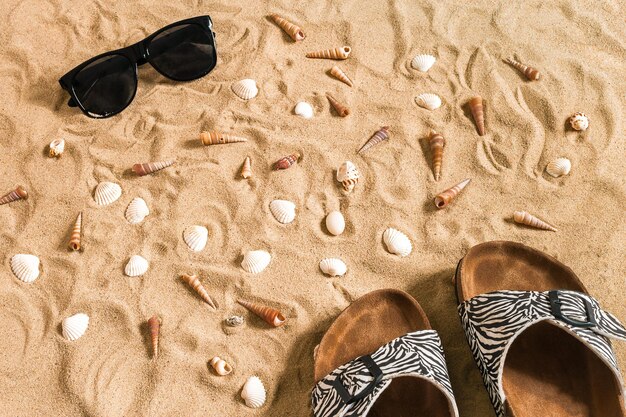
(540, 341)
(381, 358)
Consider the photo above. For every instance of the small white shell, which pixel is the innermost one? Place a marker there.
(347, 171)
(335, 223)
(423, 62)
(397, 242)
(136, 266)
(253, 392)
(333, 266)
(304, 109)
(196, 237)
(579, 121)
(559, 167)
(221, 367)
(283, 210)
(428, 101)
(106, 193)
(75, 326)
(57, 147)
(245, 89)
(137, 210)
(25, 267)
(255, 261)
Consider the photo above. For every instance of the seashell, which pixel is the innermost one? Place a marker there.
(428, 101)
(75, 326)
(445, 197)
(217, 138)
(25, 267)
(271, 316)
(255, 261)
(333, 53)
(151, 167)
(154, 324)
(333, 267)
(531, 73)
(381, 135)
(196, 237)
(397, 242)
(339, 74)
(335, 223)
(197, 286)
(107, 193)
(234, 321)
(136, 211)
(221, 367)
(18, 194)
(283, 210)
(75, 236)
(292, 30)
(559, 167)
(437, 143)
(579, 121)
(423, 62)
(287, 161)
(304, 110)
(245, 89)
(348, 175)
(56, 148)
(253, 392)
(528, 219)
(341, 110)
(136, 266)
(476, 107)
(246, 169)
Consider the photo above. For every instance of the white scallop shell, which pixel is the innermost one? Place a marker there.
(397, 242)
(57, 147)
(347, 171)
(333, 266)
(255, 261)
(136, 266)
(196, 237)
(25, 267)
(106, 193)
(283, 210)
(304, 109)
(423, 62)
(335, 223)
(428, 101)
(253, 392)
(559, 167)
(579, 121)
(75, 326)
(245, 89)
(137, 210)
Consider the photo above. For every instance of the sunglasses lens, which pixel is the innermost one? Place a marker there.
(184, 52)
(106, 86)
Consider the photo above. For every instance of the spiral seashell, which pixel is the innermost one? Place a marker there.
(74, 243)
(283, 210)
(151, 167)
(221, 367)
(437, 143)
(75, 326)
(25, 267)
(423, 62)
(341, 110)
(559, 167)
(287, 161)
(334, 53)
(196, 237)
(56, 148)
(107, 193)
(245, 89)
(234, 321)
(136, 211)
(18, 194)
(428, 101)
(348, 175)
(255, 261)
(304, 110)
(136, 266)
(397, 242)
(292, 30)
(339, 74)
(335, 223)
(579, 121)
(253, 392)
(531, 73)
(218, 138)
(154, 324)
(246, 169)
(444, 198)
(381, 135)
(528, 219)
(476, 107)
(193, 281)
(333, 267)
(271, 316)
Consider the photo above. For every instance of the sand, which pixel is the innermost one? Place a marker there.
(578, 46)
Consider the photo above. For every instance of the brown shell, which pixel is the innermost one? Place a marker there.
(18, 194)
(217, 138)
(271, 316)
(197, 286)
(246, 169)
(531, 73)
(287, 161)
(292, 30)
(528, 219)
(339, 74)
(478, 113)
(333, 53)
(75, 237)
(341, 110)
(154, 324)
(381, 135)
(445, 197)
(150, 167)
(437, 143)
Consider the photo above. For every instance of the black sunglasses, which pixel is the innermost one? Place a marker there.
(106, 84)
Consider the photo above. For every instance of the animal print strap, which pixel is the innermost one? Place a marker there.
(352, 389)
(492, 321)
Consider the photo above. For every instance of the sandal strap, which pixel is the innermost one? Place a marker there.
(353, 388)
(492, 321)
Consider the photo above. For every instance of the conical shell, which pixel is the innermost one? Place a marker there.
(255, 261)
(339, 74)
(335, 223)
(25, 267)
(136, 266)
(348, 175)
(196, 237)
(397, 242)
(193, 281)
(271, 316)
(423, 62)
(531, 73)
(559, 167)
(217, 138)
(292, 30)
(154, 324)
(151, 167)
(221, 366)
(333, 267)
(579, 121)
(437, 143)
(253, 392)
(528, 219)
(136, 211)
(445, 197)
(341, 110)
(478, 113)
(75, 237)
(334, 53)
(246, 169)
(428, 101)
(107, 193)
(381, 135)
(18, 194)
(75, 326)
(56, 148)
(245, 89)
(283, 210)
(304, 110)
(287, 161)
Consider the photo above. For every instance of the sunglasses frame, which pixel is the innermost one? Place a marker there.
(138, 54)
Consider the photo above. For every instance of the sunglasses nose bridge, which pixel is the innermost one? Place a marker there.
(140, 52)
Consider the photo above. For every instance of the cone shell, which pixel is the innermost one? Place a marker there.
(559, 167)
(246, 169)
(234, 321)
(107, 193)
(193, 281)
(423, 62)
(444, 198)
(218, 138)
(18, 194)
(245, 89)
(381, 135)
(579, 121)
(478, 113)
(334, 53)
(253, 392)
(531, 73)
(292, 30)
(151, 167)
(196, 237)
(136, 211)
(333, 267)
(136, 266)
(271, 316)
(256, 261)
(428, 101)
(75, 237)
(25, 267)
(528, 219)
(341, 110)
(348, 175)
(304, 110)
(397, 242)
(221, 367)
(75, 326)
(437, 143)
(335, 223)
(154, 324)
(339, 74)
(287, 161)
(283, 210)
(56, 148)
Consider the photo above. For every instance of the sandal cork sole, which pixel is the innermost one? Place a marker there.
(368, 323)
(547, 371)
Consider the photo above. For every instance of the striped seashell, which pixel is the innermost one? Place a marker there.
(381, 135)
(221, 367)
(196, 237)
(335, 223)
(75, 326)
(292, 30)
(25, 267)
(304, 110)
(151, 167)
(107, 193)
(531, 73)
(154, 324)
(528, 219)
(341, 110)
(339, 74)
(271, 316)
(559, 167)
(253, 392)
(246, 169)
(437, 143)
(75, 236)
(397, 242)
(333, 53)
(287, 161)
(245, 89)
(18, 194)
(284, 211)
(255, 261)
(193, 281)
(445, 197)
(428, 101)
(218, 138)
(333, 267)
(423, 62)
(136, 211)
(136, 266)
(234, 321)
(348, 175)
(478, 113)
(579, 121)
(56, 148)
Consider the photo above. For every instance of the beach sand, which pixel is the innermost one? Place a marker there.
(578, 46)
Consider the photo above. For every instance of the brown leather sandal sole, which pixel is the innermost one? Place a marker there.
(547, 372)
(368, 323)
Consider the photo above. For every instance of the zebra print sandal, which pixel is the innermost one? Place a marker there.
(540, 341)
(381, 358)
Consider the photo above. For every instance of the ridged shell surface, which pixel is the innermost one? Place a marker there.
(136, 266)
(397, 242)
(253, 392)
(304, 110)
(333, 267)
(75, 326)
(196, 237)
(245, 89)
(423, 62)
(25, 267)
(107, 193)
(255, 261)
(335, 223)
(284, 211)
(428, 101)
(137, 210)
(559, 167)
